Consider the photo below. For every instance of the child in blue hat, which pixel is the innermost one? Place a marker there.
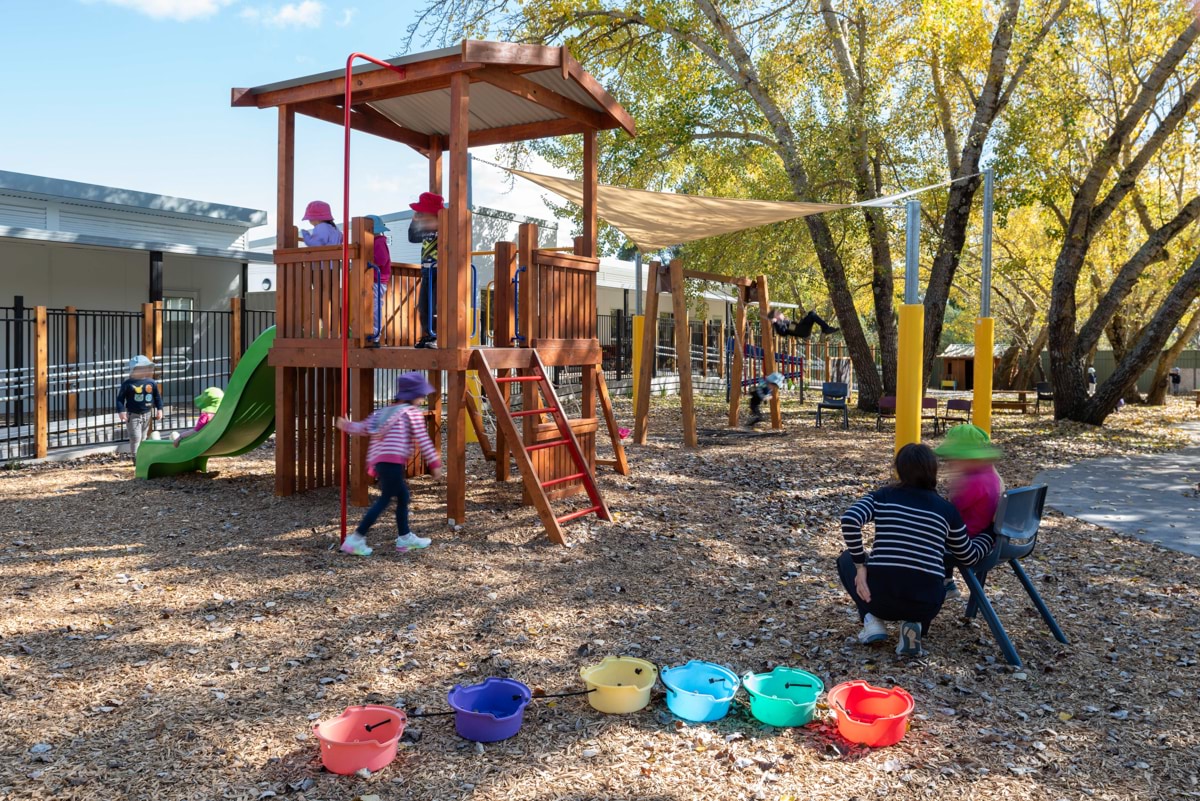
(759, 393)
(381, 264)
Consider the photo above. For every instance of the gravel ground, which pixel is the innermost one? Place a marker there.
(176, 639)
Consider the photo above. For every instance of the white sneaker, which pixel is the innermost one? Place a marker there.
(874, 630)
(174, 436)
(411, 542)
(356, 544)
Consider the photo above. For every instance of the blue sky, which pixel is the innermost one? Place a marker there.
(135, 94)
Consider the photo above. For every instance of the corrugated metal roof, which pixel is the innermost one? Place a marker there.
(411, 58)
(87, 240)
(967, 351)
(490, 107)
(43, 187)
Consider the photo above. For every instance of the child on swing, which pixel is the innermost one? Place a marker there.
(759, 393)
(803, 329)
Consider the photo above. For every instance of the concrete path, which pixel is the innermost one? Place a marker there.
(1152, 497)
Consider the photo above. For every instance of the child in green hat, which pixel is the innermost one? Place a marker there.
(975, 486)
(208, 402)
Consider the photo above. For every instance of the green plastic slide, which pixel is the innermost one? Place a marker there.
(244, 421)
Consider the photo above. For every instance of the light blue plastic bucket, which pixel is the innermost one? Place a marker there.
(700, 691)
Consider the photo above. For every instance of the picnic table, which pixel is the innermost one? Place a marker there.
(1001, 400)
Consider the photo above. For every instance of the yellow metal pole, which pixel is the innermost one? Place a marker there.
(981, 409)
(908, 374)
(639, 328)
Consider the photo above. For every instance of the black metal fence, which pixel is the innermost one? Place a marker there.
(17, 398)
(86, 356)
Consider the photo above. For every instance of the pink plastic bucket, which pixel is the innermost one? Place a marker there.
(361, 737)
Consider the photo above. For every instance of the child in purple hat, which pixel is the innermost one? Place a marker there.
(396, 432)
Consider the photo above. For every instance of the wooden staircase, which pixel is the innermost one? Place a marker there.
(532, 375)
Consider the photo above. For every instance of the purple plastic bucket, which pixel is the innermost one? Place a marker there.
(489, 711)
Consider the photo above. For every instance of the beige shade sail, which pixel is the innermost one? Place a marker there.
(657, 220)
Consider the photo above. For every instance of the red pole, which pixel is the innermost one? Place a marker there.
(343, 438)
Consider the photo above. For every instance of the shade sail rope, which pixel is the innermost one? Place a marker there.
(657, 220)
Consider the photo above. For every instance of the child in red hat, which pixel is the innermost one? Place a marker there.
(424, 230)
(324, 232)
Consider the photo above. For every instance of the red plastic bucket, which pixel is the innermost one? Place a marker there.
(361, 737)
(871, 715)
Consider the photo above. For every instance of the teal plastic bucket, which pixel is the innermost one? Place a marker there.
(784, 697)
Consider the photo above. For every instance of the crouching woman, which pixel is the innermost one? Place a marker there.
(902, 577)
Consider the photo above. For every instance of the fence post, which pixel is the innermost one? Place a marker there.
(148, 329)
(72, 319)
(19, 355)
(620, 317)
(235, 333)
(41, 383)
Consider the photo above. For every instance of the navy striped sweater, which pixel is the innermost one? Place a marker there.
(913, 530)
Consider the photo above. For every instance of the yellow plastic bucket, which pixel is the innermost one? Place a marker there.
(619, 684)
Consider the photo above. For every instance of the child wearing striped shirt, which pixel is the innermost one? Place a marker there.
(902, 577)
(396, 432)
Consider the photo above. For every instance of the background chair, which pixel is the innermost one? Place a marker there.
(887, 408)
(834, 395)
(929, 411)
(958, 410)
(1045, 392)
(1018, 518)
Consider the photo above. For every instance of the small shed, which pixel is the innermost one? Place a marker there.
(955, 367)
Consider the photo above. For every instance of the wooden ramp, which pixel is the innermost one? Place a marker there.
(532, 375)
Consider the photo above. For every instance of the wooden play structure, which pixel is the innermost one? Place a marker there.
(543, 307)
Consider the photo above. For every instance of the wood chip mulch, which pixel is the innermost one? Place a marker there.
(177, 639)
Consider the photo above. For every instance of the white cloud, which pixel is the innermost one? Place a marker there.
(306, 14)
(178, 10)
(347, 17)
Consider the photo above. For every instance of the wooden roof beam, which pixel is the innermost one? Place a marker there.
(720, 279)
(373, 123)
(528, 130)
(378, 79)
(536, 93)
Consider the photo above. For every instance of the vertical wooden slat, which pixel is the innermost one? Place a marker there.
(72, 320)
(41, 383)
(527, 235)
(302, 429)
(739, 350)
(285, 430)
(235, 333)
(641, 412)
(683, 353)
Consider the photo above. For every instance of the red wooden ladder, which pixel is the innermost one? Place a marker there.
(534, 372)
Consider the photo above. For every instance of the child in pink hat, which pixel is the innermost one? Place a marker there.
(324, 232)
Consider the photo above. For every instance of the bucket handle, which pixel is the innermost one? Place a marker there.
(556, 695)
(372, 726)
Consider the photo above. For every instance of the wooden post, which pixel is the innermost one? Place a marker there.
(285, 237)
(641, 411)
(285, 220)
(590, 182)
(527, 240)
(452, 322)
(683, 353)
(41, 383)
(148, 330)
(505, 322)
(768, 346)
(235, 333)
(362, 403)
(739, 357)
(72, 361)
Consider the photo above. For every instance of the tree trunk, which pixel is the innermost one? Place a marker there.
(1158, 390)
(962, 194)
(1006, 368)
(1150, 343)
(1119, 337)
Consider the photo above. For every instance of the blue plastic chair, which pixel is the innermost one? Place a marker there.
(1018, 518)
(834, 395)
